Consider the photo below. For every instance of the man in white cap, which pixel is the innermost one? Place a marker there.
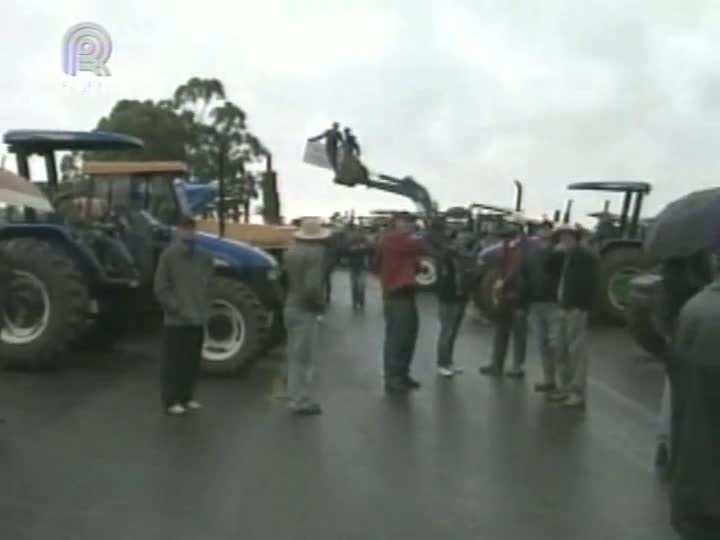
(305, 267)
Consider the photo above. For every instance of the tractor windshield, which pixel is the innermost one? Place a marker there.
(153, 194)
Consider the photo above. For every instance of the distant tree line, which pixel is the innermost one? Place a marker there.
(199, 126)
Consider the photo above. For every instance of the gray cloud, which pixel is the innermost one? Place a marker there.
(463, 95)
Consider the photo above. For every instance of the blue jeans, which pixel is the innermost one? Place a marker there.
(302, 330)
(665, 416)
(401, 330)
(357, 286)
(451, 316)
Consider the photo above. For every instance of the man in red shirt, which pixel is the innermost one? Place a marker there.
(399, 252)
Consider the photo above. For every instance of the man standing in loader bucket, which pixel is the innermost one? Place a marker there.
(333, 139)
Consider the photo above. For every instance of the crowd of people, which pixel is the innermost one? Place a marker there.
(541, 282)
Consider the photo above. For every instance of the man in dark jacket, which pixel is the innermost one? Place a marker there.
(182, 287)
(399, 253)
(695, 369)
(358, 249)
(333, 139)
(351, 144)
(683, 278)
(542, 290)
(512, 304)
(452, 294)
(574, 267)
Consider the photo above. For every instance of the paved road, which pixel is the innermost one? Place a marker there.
(87, 455)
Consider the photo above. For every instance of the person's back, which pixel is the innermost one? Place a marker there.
(358, 248)
(305, 266)
(682, 278)
(695, 489)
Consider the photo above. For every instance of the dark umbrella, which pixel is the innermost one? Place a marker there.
(686, 226)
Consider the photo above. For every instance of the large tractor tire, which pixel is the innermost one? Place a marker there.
(236, 328)
(640, 324)
(484, 296)
(616, 269)
(47, 308)
(426, 276)
(644, 312)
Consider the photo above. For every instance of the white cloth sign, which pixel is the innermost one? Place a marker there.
(315, 155)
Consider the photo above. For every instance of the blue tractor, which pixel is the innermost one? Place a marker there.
(80, 272)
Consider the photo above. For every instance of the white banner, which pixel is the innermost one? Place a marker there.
(315, 155)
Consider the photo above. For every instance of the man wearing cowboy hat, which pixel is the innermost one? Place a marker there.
(511, 302)
(305, 268)
(574, 268)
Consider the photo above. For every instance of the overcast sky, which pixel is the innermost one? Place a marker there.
(463, 95)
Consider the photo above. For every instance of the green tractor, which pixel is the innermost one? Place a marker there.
(618, 242)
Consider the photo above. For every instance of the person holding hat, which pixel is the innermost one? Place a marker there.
(512, 303)
(574, 268)
(182, 287)
(304, 264)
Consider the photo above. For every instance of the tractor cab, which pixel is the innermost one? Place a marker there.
(142, 205)
(104, 258)
(617, 240)
(625, 225)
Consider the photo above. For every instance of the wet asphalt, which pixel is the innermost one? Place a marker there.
(86, 453)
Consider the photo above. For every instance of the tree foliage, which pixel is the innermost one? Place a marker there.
(197, 125)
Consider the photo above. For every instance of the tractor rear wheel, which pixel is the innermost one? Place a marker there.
(47, 306)
(236, 328)
(617, 268)
(640, 323)
(484, 296)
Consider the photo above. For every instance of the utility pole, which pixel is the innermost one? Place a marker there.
(221, 188)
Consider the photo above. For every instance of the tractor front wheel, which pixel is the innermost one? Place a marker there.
(236, 327)
(616, 270)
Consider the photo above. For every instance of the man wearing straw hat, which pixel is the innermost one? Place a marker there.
(305, 267)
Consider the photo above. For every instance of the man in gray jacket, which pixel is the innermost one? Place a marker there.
(182, 286)
(305, 268)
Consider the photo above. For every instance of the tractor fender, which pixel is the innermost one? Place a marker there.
(61, 236)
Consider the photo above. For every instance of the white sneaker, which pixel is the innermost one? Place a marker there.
(193, 405)
(446, 372)
(176, 409)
